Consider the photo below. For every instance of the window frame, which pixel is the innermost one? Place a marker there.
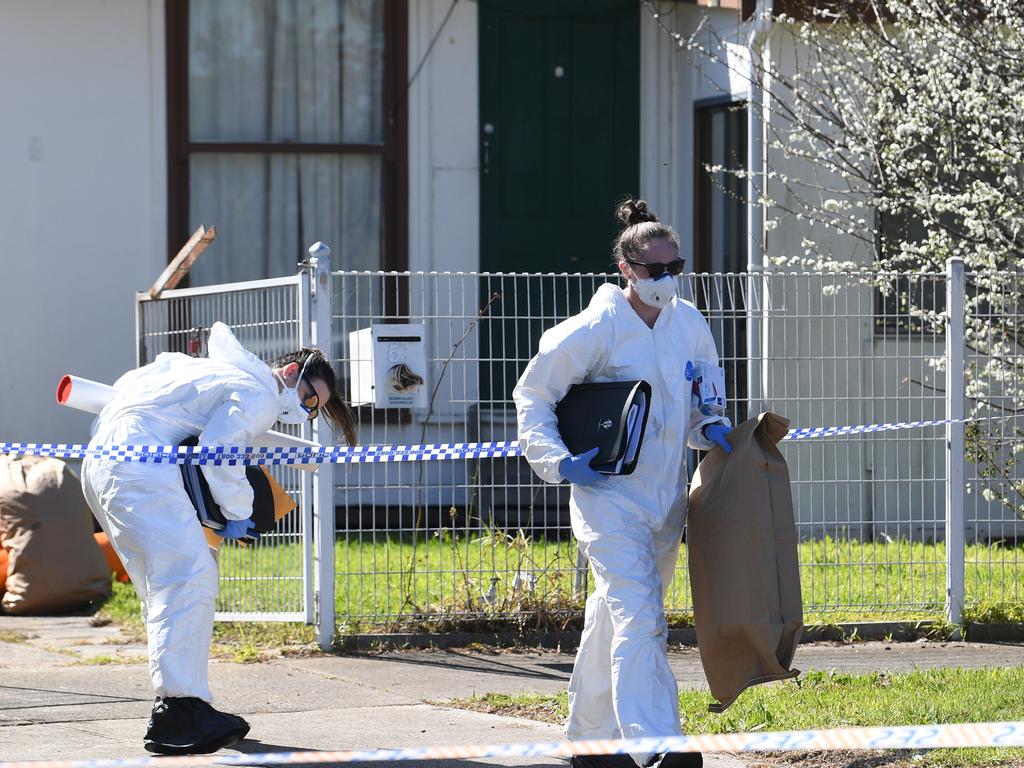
(735, 351)
(703, 109)
(393, 149)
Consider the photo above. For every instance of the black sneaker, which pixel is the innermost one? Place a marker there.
(190, 726)
(675, 760)
(601, 761)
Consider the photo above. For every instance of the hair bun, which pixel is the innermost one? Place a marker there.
(632, 212)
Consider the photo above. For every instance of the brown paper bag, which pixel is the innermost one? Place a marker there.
(744, 573)
(46, 528)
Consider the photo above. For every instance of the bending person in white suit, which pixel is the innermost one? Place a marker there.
(227, 399)
(629, 527)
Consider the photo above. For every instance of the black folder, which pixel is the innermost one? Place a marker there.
(609, 415)
(208, 510)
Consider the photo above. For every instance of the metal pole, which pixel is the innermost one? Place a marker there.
(307, 479)
(955, 411)
(579, 582)
(758, 116)
(323, 484)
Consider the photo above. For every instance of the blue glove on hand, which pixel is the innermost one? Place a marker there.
(716, 433)
(240, 529)
(576, 469)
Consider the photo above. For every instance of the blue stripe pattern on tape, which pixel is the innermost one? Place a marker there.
(370, 454)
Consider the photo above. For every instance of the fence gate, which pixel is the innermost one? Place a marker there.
(272, 580)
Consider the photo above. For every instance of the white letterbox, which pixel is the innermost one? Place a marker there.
(389, 365)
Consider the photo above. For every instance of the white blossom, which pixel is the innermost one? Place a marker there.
(919, 120)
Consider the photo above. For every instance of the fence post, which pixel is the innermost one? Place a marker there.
(321, 293)
(955, 411)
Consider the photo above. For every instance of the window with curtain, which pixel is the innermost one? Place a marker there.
(280, 133)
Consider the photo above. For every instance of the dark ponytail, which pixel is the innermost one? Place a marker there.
(631, 212)
(639, 227)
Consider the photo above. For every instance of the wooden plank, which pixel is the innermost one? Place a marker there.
(183, 261)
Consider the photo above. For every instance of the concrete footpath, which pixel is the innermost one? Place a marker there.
(70, 691)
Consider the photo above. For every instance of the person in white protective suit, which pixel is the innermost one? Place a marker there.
(628, 526)
(228, 398)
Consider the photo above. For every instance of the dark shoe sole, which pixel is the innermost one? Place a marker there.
(601, 761)
(203, 748)
(682, 760)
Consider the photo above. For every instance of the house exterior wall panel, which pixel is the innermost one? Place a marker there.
(82, 196)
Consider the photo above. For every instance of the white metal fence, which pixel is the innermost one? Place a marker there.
(276, 582)
(436, 541)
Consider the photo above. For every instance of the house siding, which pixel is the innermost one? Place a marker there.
(82, 197)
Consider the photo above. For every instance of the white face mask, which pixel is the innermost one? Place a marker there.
(655, 293)
(289, 404)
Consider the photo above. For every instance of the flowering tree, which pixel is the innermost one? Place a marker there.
(898, 126)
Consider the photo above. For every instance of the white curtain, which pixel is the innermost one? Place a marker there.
(285, 71)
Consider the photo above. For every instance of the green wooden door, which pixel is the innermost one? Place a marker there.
(560, 130)
(559, 146)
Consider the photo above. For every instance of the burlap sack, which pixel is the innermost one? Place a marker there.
(54, 564)
(744, 573)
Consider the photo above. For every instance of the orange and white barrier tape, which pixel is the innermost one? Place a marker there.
(1007, 734)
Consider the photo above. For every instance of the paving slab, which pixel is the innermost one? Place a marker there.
(61, 697)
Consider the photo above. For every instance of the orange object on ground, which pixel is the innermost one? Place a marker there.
(113, 561)
(3, 570)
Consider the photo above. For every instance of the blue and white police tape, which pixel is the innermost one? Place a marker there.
(245, 455)
(362, 454)
(1006, 734)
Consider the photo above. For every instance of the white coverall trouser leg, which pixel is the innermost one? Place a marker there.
(153, 527)
(621, 684)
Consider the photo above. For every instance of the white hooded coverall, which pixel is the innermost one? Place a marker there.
(629, 526)
(227, 399)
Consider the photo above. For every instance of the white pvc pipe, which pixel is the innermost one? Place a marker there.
(90, 396)
(84, 394)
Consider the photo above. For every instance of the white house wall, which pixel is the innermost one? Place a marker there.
(444, 236)
(444, 191)
(82, 197)
(672, 80)
(444, 183)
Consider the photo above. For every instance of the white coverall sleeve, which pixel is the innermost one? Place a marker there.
(229, 425)
(702, 415)
(566, 357)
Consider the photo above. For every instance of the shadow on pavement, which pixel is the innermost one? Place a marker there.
(256, 747)
(17, 697)
(489, 664)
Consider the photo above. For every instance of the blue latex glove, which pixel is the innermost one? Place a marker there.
(576, 469)
(240, 529)
(716, 433)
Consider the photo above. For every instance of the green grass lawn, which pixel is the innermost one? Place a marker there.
(830, 700)
(465, 582)
(386, 580)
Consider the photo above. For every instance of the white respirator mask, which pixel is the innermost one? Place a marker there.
(656, 293)
(289, 405)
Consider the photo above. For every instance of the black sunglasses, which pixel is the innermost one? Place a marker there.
(656, 270)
